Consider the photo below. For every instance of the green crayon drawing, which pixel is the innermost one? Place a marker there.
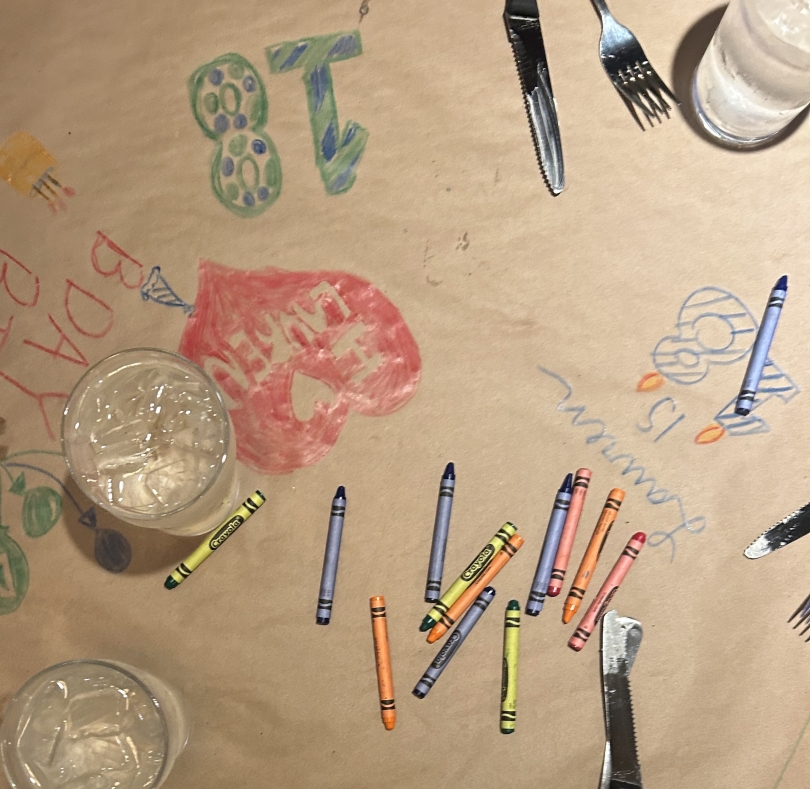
(336, 154)
(229, 103)
(41, 509)
(13, 573)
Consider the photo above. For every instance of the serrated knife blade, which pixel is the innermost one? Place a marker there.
(621, 638)
(522, 20)
(795, 525)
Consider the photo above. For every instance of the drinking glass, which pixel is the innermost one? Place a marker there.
(146, 436)
(92, 724)
(755, 76)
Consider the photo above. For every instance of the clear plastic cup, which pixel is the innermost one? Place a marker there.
(92, 724)
(146, 436)
(754, 78)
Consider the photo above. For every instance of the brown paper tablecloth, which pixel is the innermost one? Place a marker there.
(535, 318)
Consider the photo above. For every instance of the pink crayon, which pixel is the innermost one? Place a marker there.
(609, 588)
(581, 480)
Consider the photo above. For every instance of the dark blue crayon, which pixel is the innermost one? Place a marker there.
(441, 528)
(545, 564)
(762, 345)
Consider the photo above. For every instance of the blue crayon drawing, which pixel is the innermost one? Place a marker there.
(336, 154)
(638, 473)
(715, 328)
(774, 383)
(158, 290)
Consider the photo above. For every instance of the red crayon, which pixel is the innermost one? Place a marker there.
(609, 588)
(581, 480)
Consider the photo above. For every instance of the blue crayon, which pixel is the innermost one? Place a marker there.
(452, 645)
(441, 528)
(330, 558)
(542, 576)
(762, 344)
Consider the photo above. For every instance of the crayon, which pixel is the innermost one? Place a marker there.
(476, 567)
(441, 528)
(330, 558)
(592, 553)
(762, 344)
(581, 480)
(214, 540)
(452, 645)
(609, 588)
(382, 656)
(473, 590)
(511, 638)
(537, 594)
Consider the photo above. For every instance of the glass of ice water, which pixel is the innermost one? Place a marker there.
(755, 76)
(92, 724)
(146, 436)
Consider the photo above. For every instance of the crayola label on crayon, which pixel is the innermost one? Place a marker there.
(504, 680)
(226, 531)
(478, 563)
(446, 650)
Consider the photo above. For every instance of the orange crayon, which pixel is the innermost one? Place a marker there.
(581, 480)
(609, 588)
(591, 557)
(382, 654)
(469, 595)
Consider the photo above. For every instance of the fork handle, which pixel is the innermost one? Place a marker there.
(601, 7)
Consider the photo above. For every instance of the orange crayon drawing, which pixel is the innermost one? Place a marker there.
(711, 433)
(650, 382)
(28, 168)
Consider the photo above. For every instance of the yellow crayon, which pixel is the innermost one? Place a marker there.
(477, 566)
(511, 638)
(214, 540)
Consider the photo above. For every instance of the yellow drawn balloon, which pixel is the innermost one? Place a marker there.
(710, 434)
(650, 382)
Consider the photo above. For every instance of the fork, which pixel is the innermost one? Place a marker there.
(803, 611)
(629, 70)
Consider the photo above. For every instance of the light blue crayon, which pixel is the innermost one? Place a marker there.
(762, 344)
(542, 576)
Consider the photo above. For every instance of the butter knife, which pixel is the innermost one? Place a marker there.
(795, 525)
(522, 20)
(621, 638)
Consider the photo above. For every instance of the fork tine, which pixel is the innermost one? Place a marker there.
(805, 604)
(630, 106)
(807, 627)
(628, 87)
(803, 618)
(657, 86)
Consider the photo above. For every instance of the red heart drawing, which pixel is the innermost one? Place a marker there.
(293, 353)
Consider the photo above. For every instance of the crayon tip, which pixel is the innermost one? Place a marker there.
(432, 637)
(389, 724)
(170, 583)
(427, 624)
(781, 283)
(449, 471)
(741, 410)
(531, 613)
(513, 605)
(640, 536)
(568, 615)
(577, 646)
(507, 731)
(553, 591)
(567, 485)
(341, 493)
(321, 620)
(418, 693)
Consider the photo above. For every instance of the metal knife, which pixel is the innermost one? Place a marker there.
(796, 525)
(522, 20)
(621, 638)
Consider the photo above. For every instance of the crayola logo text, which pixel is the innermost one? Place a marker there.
(478, 564)
(226, 531)
(447, 649)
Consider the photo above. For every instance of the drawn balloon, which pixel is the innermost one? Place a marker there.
(41, 509)
(13, 573)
